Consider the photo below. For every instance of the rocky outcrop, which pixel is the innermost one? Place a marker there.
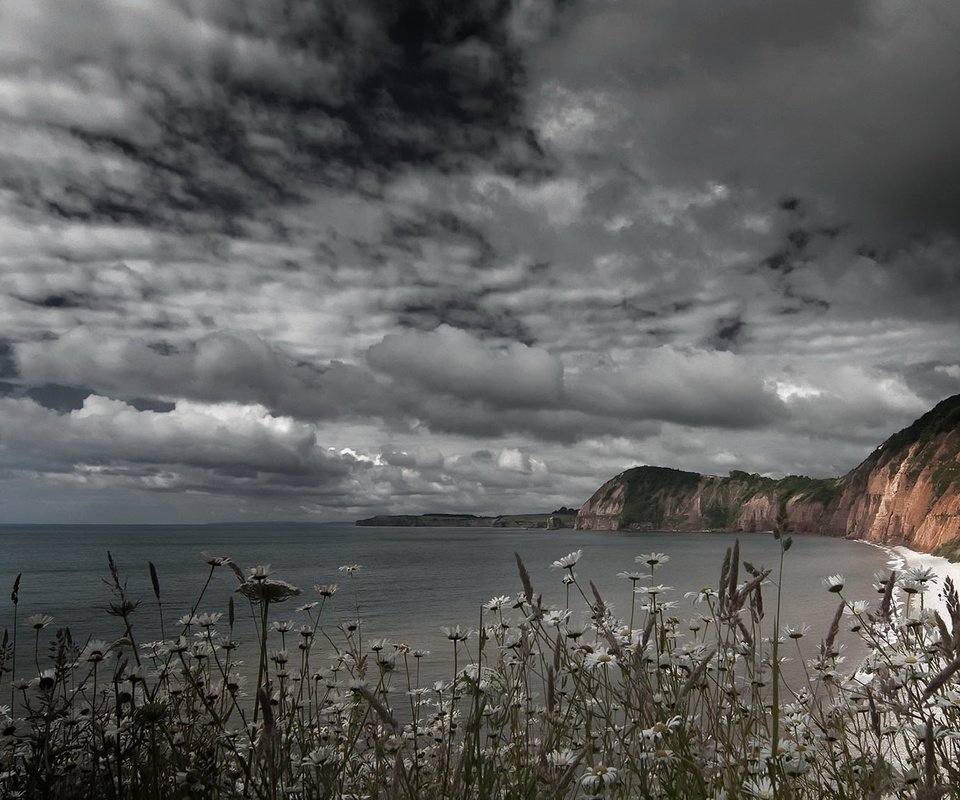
(907, 491)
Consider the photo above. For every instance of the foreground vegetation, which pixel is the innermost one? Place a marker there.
(541, 702)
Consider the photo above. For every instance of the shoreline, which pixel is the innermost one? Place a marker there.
(903, 558)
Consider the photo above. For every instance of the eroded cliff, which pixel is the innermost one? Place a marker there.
(907, 491)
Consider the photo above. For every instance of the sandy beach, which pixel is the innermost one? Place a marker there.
(905, 558)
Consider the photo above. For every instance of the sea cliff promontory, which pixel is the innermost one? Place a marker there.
(907, 491)
(562, 518)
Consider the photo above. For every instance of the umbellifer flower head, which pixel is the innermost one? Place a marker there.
(266, 590)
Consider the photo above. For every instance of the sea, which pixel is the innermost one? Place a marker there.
(411, 581)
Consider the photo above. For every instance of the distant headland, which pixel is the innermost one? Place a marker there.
(561, 518)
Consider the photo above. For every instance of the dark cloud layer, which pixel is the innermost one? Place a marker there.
(325, 259)
(222, 110)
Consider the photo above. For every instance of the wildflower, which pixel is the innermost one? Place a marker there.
(569, 561)
(568, 579)
(38, 621)
(556, 617)
(920, 574)
(95, 651)
(653, 591)
(349, 569)
(913, 586)
(187, 619)
(270, 591)
(496, 603)
(662, 755)
(562, 758)
(208, 620)
(379, 644)
(834, 583)
(599, 777)
(45, 681)
(910, 661)
(326, 590)
(633, 576)
(216, 561)
(796, 631)
(577, 630)
(259, 573)
(661, 729)
(760, 788)
(200, 650)
(600, 658)
(456, 634)
(652, 559)
(703, 593)
(308, 606)
(284, 626)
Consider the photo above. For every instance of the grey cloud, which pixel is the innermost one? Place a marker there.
(220, 109)
(467, 313)
(110, 432)
(452, 362)
(744, 95)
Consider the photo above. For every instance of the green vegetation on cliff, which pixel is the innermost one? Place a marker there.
(659, 497)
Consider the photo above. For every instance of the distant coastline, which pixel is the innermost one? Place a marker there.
(562, 518)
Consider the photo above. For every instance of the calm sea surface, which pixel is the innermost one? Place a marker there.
(412, 581)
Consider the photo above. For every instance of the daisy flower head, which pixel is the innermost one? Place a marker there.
(456, 634)
(349, 569)
(599, 777)
(96, 651)
(920, 574)
(834, 583)
(38, 621)
(796, 631)
(496, 603)
(326, 589)
(569, 561)
(600, 658)
(653, 591)
(652, 560)
(760, 788)
(562, 758)
(911, 586)
(702, 594)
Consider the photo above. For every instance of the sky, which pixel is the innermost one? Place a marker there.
(322, 260)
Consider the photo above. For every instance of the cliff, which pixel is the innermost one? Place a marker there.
(907, 491)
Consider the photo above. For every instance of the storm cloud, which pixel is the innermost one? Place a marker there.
(323, 259)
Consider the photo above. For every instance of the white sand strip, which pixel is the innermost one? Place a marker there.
(941, 566)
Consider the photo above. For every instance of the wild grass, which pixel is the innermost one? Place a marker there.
(540, 702)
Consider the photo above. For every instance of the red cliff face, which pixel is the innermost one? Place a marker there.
(906, 492)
